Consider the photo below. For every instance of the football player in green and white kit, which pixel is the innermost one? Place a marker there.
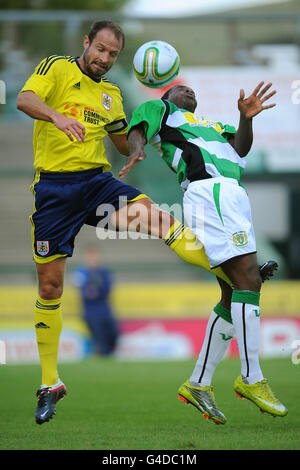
(208, 158)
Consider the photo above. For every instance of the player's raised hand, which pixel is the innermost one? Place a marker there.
(132, 161)
(71, 127)
(254, 104)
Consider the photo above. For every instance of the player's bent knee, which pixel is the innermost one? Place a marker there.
(51, 279)
(252, 283)
(50, 290)
(257, 284)
(254, 278)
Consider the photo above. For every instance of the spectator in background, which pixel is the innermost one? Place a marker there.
(95, 284)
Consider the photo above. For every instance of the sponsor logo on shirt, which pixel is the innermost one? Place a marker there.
(197, 120)
(72, 110)
(93, 117)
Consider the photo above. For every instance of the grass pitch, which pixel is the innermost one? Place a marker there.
(133, 406)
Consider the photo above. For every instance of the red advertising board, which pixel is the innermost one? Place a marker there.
(182, 338)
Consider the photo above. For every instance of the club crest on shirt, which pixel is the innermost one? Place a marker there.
(106, 101)
(42, 247)
(240, 238)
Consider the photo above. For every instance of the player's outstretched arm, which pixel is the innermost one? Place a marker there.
(33, 106)
(249, 108)
(136, 143)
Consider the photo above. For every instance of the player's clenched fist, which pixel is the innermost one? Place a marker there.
(71, 127)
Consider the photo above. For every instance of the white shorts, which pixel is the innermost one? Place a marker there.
(218, 211)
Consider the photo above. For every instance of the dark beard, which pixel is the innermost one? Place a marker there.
(88, 69)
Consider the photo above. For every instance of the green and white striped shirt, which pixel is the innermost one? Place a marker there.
(194, 147)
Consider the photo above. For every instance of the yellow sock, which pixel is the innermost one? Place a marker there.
(48, 325)
(185, 244)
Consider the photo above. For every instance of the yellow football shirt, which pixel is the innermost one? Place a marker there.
(60, 83)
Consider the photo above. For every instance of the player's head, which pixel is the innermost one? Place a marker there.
(102, 47)
(92, 256)
(183, 96)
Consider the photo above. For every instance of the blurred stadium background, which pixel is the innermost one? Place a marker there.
(161, 302)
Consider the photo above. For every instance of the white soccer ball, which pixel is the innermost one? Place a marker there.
(156, 64)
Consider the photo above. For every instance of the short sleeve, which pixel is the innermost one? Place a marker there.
(43, 81)
(227, 131)
(150, 114)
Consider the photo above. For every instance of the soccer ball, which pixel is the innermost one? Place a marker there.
(156, 64)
